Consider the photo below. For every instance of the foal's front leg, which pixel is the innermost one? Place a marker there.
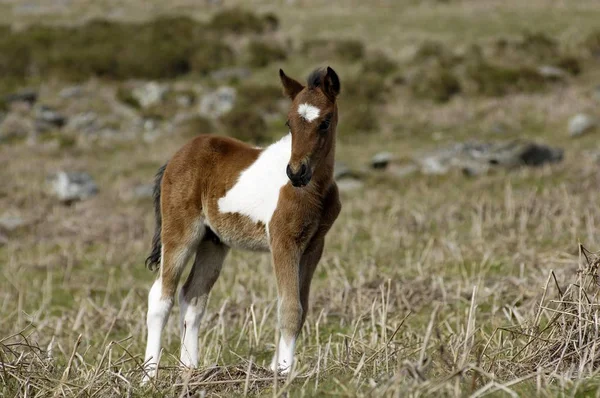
(286, 259)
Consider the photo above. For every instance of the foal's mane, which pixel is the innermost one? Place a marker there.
(315, 78)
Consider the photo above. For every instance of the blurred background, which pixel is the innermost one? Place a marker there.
(468, 159)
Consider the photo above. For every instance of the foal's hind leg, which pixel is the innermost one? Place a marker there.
(175, 253)
(194, 294)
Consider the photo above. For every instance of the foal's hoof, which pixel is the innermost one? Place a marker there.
(283, 367)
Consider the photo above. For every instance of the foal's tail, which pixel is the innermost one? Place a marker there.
(153, 260)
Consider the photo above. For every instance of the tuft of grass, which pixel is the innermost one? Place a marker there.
(349, 50)
(239, 21)
(435, 83)
(194, 126)
(262, 53)
(246, 124)
(496, 80)
(379, 63)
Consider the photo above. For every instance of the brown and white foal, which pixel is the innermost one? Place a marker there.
(217, 192)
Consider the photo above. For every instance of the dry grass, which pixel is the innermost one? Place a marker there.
(429, 286)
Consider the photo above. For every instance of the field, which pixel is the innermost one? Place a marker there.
(440, 284)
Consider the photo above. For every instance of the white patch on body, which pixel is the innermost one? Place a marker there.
(284, 357)
(256, 192)
(308, 112)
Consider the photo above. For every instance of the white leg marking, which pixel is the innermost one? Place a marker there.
(308, 112)
(158, 314)
(191, 316)
(284, 357)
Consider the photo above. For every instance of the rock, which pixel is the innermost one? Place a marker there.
(218, 102)
(149, 94)
(47, 118)
(184, 100)
(401, 171)
(349, 184)
(10, 222)
(381, 160)
(476, 158)
(72, 186)
(15, 126)
(231, 74)
(341, 170)
(143, 191)
(86, 122)
(71, 92)
(551, 72)
(29, 96)
(581, 124)
(597, 93)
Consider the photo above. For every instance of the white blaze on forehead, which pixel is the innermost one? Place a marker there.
(256, 192)
(308, 112)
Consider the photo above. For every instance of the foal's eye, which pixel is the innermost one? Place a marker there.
(287, 123)
(324, 126)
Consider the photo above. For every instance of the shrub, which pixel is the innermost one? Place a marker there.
(125, 96)
(163, 48)
(194, 126)
(436, 83)
(379, 63)
(261, 97)
(367, 87)
(349, 50)
(569, 63)
(592, 43)
(261, 53)
(210, 56)
(239, 21)
(538, 45)
(434, 51)
(360, 118)
(495, 80)
(246, 125)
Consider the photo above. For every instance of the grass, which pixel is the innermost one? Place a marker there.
(429, 285)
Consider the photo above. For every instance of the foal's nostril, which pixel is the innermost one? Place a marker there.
(288, 171)
(302, 172)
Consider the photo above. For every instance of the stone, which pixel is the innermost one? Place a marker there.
(341, 170)
(477, 158)
(71, 92)
(69, 187)
(86, 122)
(30, 96)
(349, 184)
(218, 102)
(143, 191)
(150, 94)
(10, 222)
(47, 118)
(15, 126)
(401, 171)
(551, 72)
(581, 123)
(240, 73)
(381, 160)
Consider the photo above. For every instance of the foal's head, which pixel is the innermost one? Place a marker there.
(312, 120)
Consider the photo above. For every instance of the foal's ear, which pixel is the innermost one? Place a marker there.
(291, 87)
(331, 84)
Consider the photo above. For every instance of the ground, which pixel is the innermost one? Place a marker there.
(429, 285)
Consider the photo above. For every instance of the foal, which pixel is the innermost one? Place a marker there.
(217, 192)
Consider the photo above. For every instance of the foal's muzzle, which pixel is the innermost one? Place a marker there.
(301, 177)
